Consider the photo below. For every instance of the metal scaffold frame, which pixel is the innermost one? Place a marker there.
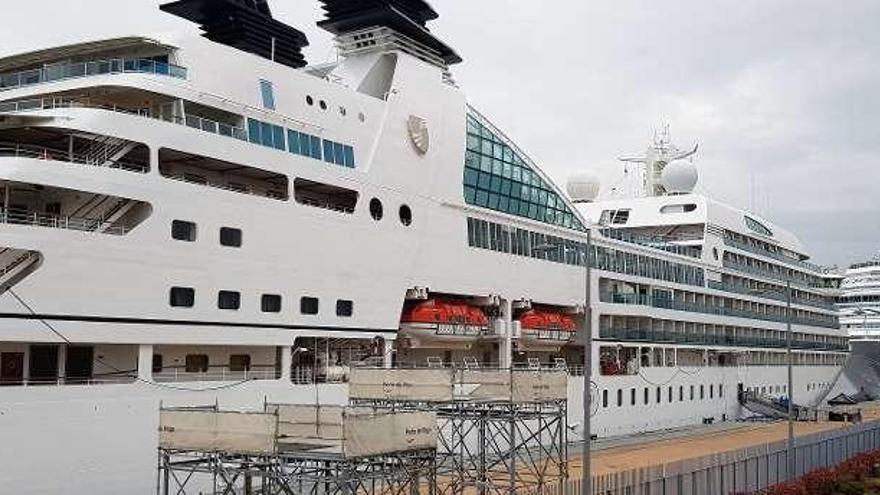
(399, 473)
(498, 445)
(296, 449)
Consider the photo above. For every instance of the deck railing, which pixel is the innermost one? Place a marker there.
(72, 70)
(216, 374)
(18, 150)
(24, 217)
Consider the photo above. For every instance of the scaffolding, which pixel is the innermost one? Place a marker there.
(500, 431)
(296, 449)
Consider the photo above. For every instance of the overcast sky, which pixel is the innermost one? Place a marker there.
(781, 95)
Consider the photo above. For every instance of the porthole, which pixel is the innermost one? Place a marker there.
(322, 104)
(376, 209)
(362, 117)
(405, 215)
(309, 100)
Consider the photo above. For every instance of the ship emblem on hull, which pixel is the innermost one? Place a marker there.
(418, 133)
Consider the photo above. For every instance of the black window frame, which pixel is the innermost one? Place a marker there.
(191, 234)
(232, 301)
(305, 307)
(344, 308)
(268, 303)
(234, 241)
(188, 293)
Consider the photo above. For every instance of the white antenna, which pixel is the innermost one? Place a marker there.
(661, 153)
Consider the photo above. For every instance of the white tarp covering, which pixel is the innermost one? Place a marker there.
(432, 385)
(539, 386)
(210, 431)
(373, 434)
(484, 385)
(307, 422)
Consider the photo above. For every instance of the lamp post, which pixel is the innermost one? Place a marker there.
(586, 475)
(789, 448)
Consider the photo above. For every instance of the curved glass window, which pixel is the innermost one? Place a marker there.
(757, 226)
(497, 177)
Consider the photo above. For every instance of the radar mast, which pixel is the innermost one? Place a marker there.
(658, 155)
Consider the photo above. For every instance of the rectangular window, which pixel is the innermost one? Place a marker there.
(278, 138)
(182, 297)
(702, 392)
(266, 134)
(344, 307)
(270, 303)
(645, 398)
(692, 393)
(632, 396)
(267, 92)
(669, 395)
(339, 154)
(308, 305)
(316, 147)
(305, 144)
(227, 299)
(348, 156)
(196, 363)
(157, 363)
(240, 362)
(183, 231)
(605, 398)
(619, 397)
(292, 141)
(328, 151)
(254, 131)
(230, 237)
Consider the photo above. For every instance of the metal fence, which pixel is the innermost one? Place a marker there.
(736, 472)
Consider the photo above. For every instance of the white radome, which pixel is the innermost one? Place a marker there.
(679, 177)
(583, 187)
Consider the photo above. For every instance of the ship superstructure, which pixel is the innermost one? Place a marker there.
(206, 219)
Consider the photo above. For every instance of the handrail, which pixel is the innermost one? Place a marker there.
(17, 150)
(215, 374)
(661, 243)
(677, 305)
(24, 217)
(647, 335)
(73, 70)
(191, 121)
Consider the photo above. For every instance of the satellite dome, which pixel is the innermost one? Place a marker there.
(679, 177)
(583, 187)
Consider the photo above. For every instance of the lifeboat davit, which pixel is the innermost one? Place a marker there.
(545, 330)
(443, 323)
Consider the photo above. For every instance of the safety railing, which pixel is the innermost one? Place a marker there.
(677, 305)
(72, 70)
(17, 150)
(34, 219)
(663, 336)
(215, 374)
(121, 377)
(775, 295)
(192, 121)
(664, 243)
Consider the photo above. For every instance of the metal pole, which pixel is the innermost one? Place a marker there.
(586, 477)
(790, 446)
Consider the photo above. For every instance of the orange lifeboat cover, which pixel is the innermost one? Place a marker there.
(534, 319)
(445, 312)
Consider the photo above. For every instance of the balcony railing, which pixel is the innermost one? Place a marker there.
(677, 305)
(215, 374)
(23, 217)
(72, 70)
(191, 121)
(745, 246)
(763, 272)
(668, 337)
(664, 243)
(776, 296)
(17, 150)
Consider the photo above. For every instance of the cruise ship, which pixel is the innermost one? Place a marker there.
(209, 219)
(859, 306)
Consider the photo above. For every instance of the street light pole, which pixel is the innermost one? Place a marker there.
(586, 477)
(790, 445)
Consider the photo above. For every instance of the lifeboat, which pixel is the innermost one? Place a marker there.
(443, 324)
(545, 330)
